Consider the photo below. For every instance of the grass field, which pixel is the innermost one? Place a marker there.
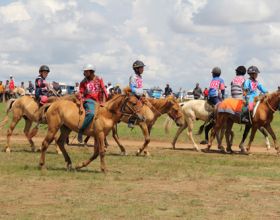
(179, 184)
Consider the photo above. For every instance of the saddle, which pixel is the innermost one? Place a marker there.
(231, 106)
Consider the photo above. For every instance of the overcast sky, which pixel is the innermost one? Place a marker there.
(180, 41)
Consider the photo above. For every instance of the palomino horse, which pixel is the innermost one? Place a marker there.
(192, 110)
(156, 108)
(66, 116)
(262, 118)
(24, 107)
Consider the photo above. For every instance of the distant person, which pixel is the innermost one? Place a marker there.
(7, 90)
(57, 88)
(180, 94)
(205, 93)
(77, 85)
(167, 90)
(22, 85)
(109, 88)
(11, 86)
(2, 89)
(197, 92)
(118, 89)
(30, 87)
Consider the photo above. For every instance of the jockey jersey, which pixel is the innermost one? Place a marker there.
(216, 84)
(41, 88)
(251, 87)
(12, 85)
(237, 87)
(93, 89)
(136, 84)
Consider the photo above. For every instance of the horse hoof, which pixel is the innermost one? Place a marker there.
(104, 170)
(196, 149)
(205, 150)
(204, 142)
(8, 150)
(123, 153)
(138, 153)
(69, 167)
(147, 154)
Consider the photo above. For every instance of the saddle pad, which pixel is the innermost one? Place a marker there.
(231, 106)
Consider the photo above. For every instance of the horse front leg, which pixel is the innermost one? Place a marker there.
(252, 136)
(271, 132)
(116, 138)
(264, 132)
(146, 134)
(28, 124)
(190, 122)
(179, 131)
(93, 157)
(52, 130)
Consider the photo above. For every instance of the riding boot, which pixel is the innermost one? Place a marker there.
(244, 116)
(131, 122)
(85, 124)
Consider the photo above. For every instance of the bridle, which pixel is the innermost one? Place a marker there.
(126, 104)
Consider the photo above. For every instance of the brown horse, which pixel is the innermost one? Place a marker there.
(66, 116)
(152, 112)
(262, 118)
(24, 107)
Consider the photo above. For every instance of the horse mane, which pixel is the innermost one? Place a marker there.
(127, 90)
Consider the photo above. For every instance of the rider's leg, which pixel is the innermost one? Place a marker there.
(89, 109)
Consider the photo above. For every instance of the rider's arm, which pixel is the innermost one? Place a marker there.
(261, 88)
(104, 91)
(222, 88)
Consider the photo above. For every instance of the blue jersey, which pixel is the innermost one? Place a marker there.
(217, 84)
(252, 87)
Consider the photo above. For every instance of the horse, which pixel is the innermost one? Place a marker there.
(262, 118)
(152, 112)
(192, 110)
(28, 108)
(67, 116)
(199, 110)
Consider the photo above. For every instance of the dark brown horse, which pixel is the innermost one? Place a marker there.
(262, 118)
(66, 116)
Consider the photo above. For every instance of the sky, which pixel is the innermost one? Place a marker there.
(180, 41)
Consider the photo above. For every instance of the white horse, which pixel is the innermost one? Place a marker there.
(198, 110)
(193, 110)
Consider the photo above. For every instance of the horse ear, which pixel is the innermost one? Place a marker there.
(127, 90)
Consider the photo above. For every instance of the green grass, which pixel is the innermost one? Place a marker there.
(170, 184)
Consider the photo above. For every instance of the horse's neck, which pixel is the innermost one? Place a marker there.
(273, 102)
(112, 107)
(159, 106)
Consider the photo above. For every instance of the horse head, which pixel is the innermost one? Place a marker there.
(175, 112)
(273, 101)
(125, 104)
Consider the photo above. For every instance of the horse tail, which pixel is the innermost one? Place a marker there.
(167, 124)
(201, 128)
(8, 109)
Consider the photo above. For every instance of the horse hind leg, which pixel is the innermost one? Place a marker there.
(146, 134)
(64, 133)
(190, 134)
(228, 136)
(28, 124)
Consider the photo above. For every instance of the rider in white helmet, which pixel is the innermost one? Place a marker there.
(91, 90)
